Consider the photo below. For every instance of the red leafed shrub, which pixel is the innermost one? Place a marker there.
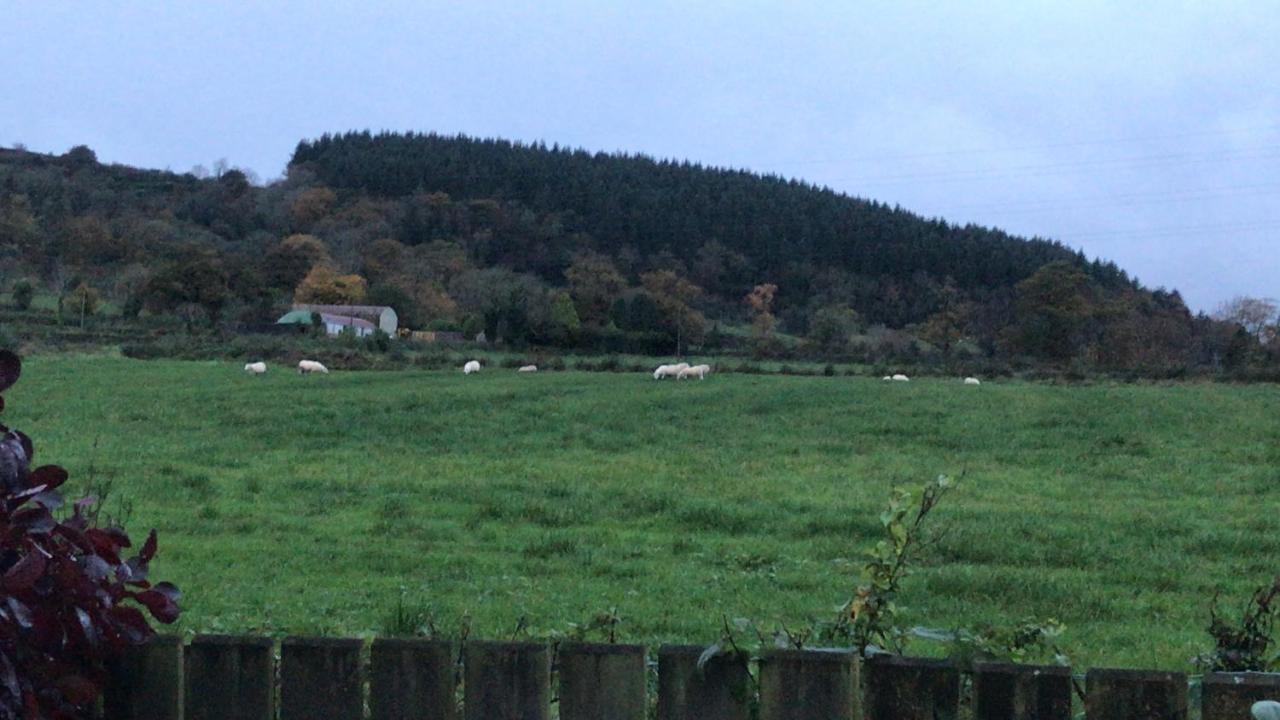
(69, 597)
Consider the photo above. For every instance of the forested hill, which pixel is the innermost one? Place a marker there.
(552, 247)
(786, 231)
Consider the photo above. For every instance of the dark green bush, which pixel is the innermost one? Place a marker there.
(23, 293)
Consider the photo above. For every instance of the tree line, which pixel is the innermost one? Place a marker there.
(541, 245)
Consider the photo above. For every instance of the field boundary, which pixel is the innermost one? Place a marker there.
(304, 678)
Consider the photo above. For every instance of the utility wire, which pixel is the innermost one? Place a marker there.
(1143, 233)
(1063, 168)
(1032, 207)
(1268, 128)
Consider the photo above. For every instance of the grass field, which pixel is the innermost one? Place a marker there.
(314, 504)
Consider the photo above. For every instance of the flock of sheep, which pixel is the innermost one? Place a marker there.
(679, 371)
(903, 378)
(304, 367)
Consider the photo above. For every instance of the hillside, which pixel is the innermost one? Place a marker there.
(759, 228)
(565, 248)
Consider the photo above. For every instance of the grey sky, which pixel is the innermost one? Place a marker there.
(1149, 137)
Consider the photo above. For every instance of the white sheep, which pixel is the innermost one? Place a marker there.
(698, 371)
(1265, 710)
(528, 368)
(472, 366)
(669, 371)
(886, 378)
(310, 366)
(901, 378)
(256, 368)
(972, 381)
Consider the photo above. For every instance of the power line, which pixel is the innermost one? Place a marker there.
(1271, 127)
(1146, 233)
(1061, 168)
(1117, 200)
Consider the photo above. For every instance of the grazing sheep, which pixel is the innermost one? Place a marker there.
(1265, 710)
(255, 368)
(886, 378)
(528, 368)
(698, 371)
(972, 381)
(901, 378)
(669, 371)
(472, 366)
(310, 366)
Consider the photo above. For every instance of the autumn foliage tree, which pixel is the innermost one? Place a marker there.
(325, 286)
(760, 299)
(674, 297)
(310, 205)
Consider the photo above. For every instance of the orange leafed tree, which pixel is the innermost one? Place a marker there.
(324, 286)
(311, 205)
(761, 301)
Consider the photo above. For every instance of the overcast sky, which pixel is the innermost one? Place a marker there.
(1151, 138)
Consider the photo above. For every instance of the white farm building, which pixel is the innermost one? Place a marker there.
(380, 316)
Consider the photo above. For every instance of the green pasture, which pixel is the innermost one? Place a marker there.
(291, 504)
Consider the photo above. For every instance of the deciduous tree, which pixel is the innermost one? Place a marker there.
(197, 281)
(310, 205)
(325, 286)
(23, 292)
(1256, 315)
(674, 296)
(1051, 309)
(760, 299)
(831, 328)
(289, 262)
(594, 283)
(564, 318)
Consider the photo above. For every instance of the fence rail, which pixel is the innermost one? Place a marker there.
(254, 678)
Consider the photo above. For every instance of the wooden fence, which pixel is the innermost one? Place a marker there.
(253, 678)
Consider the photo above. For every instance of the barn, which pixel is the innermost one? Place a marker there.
(333, 324)
(382, 317)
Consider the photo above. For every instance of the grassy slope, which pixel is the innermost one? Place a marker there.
(310, 504)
